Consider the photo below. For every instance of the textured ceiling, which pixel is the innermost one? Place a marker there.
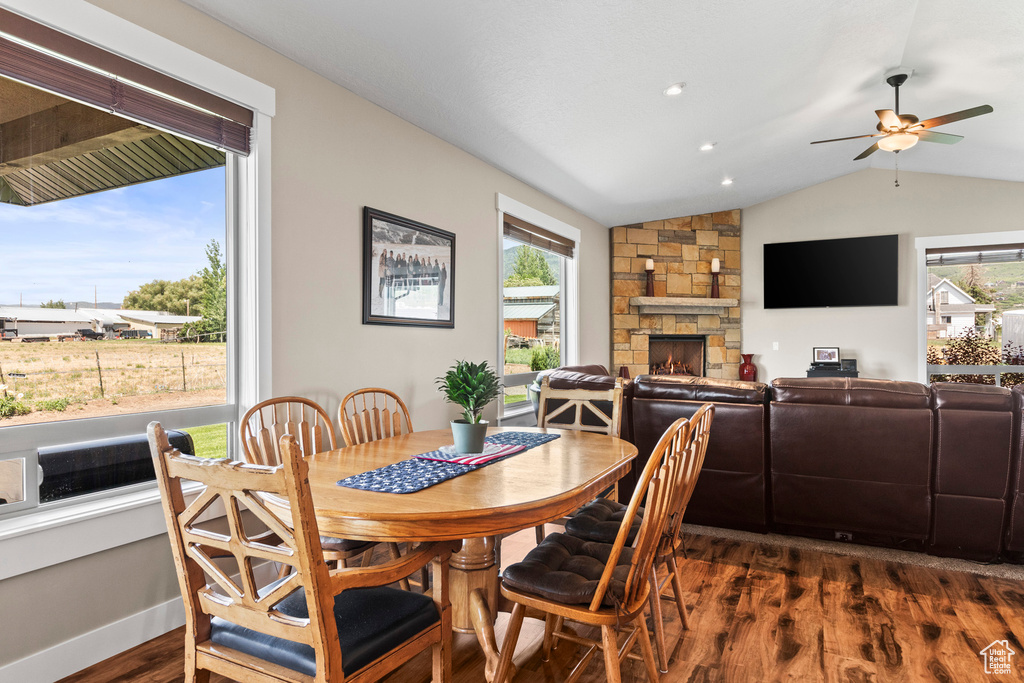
(567, 96)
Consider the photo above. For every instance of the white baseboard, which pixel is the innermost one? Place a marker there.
(90, 648)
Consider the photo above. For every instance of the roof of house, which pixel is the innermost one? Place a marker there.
(158, 317)
(527, 311)
(531, 292)
(43, 315)
(967, 308)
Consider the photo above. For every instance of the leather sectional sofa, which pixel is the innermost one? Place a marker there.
(932, 468)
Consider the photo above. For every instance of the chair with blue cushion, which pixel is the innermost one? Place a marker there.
(310, 626)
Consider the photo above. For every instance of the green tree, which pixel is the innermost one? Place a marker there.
(529, 265)
(59, 303)
(214, 298)
(179, 297)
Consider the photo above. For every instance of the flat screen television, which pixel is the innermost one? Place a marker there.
(857, 271)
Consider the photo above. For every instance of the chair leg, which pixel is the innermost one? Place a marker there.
(395, 554)
(658, 618)
(677, 590)
(539, 529)
(194, 675)
(442, 659)
(508, 646)
(610, 644)
(645, 650)
(368, 557)
(549, 635)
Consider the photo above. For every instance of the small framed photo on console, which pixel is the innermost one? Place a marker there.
(826, 354)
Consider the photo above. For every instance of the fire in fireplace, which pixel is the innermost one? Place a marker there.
(676, 355)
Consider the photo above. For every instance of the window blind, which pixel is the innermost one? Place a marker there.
(528, 233)
(966, 256)
(80, 71)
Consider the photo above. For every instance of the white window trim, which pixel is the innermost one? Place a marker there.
(570, 295)
(76, 530)
(923, 244)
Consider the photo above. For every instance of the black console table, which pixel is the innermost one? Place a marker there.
(831, 372)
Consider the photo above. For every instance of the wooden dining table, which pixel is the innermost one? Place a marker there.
(542, 484)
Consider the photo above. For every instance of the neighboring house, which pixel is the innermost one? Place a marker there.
(31, 320)
(952, 311)
(532, 312)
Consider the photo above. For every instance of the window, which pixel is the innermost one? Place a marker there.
(538, 299)
(947, 319)
(943, 297)
(126, 237)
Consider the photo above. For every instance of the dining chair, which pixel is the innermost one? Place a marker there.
(372, 413)
(600, 584)
(586, 410)
(369, 415)
(261, 430)
(310, 626)
(599, 521)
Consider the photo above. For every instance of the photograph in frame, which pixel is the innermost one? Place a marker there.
(826, 354)
(408, 272)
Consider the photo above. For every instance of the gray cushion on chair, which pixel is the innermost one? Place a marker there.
(600, 519)
(567, 570)
(371, 623)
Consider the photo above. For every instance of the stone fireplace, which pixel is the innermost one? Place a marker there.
(682, 250)
(676, 355)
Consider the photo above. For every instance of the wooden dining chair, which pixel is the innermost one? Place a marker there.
(599, 521)
(597, 584)
(261, 430)
(373, 413)
(311, 626)
(368, 415)
(585, 410)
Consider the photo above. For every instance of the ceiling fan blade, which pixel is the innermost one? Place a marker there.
(955, 116)
(852, 137)
(888, 118)
(935, 136)
(870, 150)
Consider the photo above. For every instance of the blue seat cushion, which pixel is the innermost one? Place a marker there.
(567, 569)
(371, 623)
(600, 519)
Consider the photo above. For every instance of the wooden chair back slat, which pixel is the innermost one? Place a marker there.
(370, 414)
(267, 422)
(240, 486)
(696, 446)
(581, 402)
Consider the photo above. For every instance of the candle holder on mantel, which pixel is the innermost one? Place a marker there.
(715, 267)
(649, 267)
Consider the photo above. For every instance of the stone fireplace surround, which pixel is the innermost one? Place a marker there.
(682, 249)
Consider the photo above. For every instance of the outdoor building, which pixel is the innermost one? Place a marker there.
(22, 321)
(952, 311)
(532, 312)
(158, 324)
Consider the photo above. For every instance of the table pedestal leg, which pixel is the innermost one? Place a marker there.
(474, 568)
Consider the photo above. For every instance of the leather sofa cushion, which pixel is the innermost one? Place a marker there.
(957, 396)
(845, 391)
(600, 520)
(371, 622)
(567, 570)
(705, 389)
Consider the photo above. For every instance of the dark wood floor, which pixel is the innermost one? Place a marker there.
(759, 613)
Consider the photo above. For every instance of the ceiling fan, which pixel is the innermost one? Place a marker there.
(902, 131)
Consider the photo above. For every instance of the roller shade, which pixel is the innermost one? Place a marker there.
(80, 71)
(967, 256)
(528, 233)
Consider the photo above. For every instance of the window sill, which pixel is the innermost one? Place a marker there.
(48, 537)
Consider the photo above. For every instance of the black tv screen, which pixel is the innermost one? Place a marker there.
(858, 271)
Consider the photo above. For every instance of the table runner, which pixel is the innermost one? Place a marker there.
(415, 474)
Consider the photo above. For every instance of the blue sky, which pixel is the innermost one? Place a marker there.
(115, 240)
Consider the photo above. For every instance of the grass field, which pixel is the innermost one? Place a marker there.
(50, 374)
(211, 441)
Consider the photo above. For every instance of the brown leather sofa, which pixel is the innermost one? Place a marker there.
(974, 425)
(851, 458)
(731, 490)
(1014, 540)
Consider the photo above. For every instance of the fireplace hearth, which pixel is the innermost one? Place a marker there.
(677, 355)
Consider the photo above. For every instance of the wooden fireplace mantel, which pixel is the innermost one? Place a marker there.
(662, 305)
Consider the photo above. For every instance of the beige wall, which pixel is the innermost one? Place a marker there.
(884, 340)
(333, 153)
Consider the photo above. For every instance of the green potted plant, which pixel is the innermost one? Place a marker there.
(471, 386)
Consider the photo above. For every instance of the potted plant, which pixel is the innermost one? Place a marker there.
(471, 386)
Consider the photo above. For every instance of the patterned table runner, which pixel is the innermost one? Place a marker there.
(426, 469)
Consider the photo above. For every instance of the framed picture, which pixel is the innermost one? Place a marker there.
(826, 354)
(408, 272)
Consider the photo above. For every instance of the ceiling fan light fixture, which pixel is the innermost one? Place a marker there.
(897, 142)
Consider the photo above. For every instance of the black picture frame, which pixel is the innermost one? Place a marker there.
(400, 289)
(826, 354)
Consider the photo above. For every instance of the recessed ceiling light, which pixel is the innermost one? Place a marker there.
(727, 181)
(675, 89)
(708, 146)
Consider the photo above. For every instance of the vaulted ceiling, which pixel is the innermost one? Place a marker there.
(568, 96)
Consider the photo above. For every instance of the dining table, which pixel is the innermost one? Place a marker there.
(542, 484)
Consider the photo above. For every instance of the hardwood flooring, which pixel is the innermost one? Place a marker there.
(757, 613)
